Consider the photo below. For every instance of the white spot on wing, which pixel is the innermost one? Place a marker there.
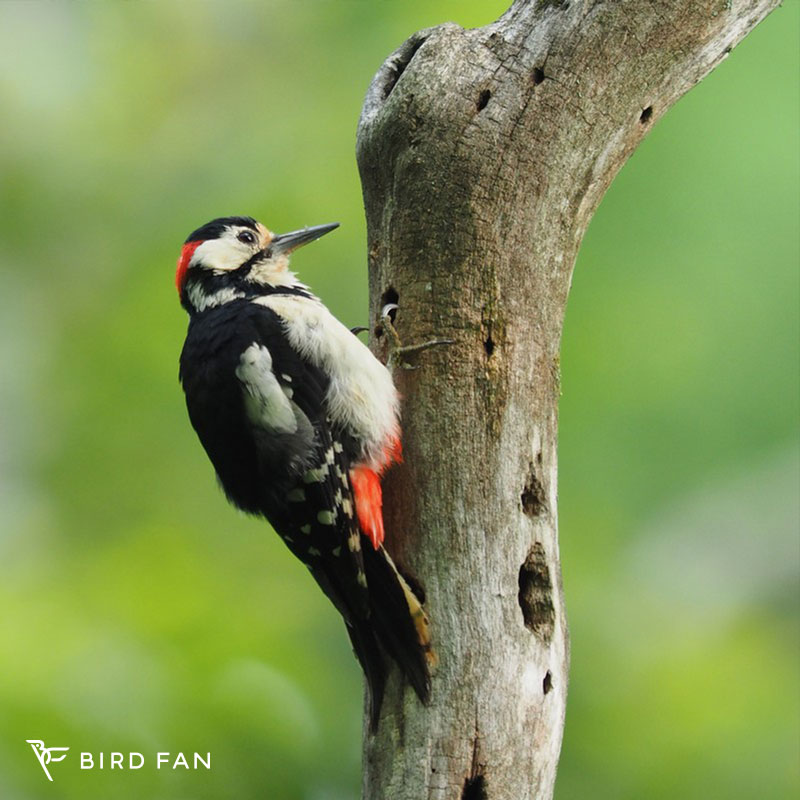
(266, 402)
(316, 475)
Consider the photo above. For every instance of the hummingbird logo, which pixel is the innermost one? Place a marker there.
(47, 755)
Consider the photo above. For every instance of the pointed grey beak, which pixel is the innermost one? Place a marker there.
(286, 242)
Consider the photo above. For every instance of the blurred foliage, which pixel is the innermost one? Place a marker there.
(139, 612)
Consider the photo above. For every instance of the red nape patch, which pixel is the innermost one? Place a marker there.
(183, 263)
(369, 503)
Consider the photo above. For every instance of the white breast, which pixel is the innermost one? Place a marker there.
(361, 395)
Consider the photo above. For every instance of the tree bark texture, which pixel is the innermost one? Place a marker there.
(483, 154)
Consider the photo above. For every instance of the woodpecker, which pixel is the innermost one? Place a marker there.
(300, 421)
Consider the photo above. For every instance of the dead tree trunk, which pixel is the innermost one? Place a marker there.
(483, 155)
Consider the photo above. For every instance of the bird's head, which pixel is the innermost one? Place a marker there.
(230, 257)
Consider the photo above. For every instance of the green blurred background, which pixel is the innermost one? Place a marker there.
(139, 612)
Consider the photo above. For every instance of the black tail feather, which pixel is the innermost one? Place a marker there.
(398, 621)
(394, 623)
(372, 662)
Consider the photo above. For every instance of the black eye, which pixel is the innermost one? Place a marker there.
(248, 237)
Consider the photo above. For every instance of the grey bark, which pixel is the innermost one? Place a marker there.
(483, 154)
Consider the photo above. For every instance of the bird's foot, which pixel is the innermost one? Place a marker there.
(397, 350)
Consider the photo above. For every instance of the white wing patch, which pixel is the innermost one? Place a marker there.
(266, 402)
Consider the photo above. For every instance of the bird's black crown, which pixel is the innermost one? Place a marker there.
(215, 228)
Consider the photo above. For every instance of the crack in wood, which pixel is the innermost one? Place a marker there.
(400, 63)
(475, 783)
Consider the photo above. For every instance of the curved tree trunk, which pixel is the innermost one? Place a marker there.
(483, 155)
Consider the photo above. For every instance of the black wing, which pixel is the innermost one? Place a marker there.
(302, 462)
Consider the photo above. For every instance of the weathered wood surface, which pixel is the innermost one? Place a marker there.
(483, 155)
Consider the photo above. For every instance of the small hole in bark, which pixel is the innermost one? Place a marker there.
(488, 345)
(547, 683)
(644, 117)
(534, 502)
(483, 99)
(474, 789)
(389, 296)
(536, 594)
(537, 75)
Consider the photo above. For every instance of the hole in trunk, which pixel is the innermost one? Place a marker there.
(483, 99)
(474, 789)
(533, 499)
(644, 117)
(536, 594)
(389, 296)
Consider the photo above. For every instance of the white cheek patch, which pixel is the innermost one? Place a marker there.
(266, 403)
(222, 254)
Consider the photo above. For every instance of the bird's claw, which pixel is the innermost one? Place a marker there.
(396, 348)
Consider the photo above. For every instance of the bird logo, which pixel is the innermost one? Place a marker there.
(47, 755)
